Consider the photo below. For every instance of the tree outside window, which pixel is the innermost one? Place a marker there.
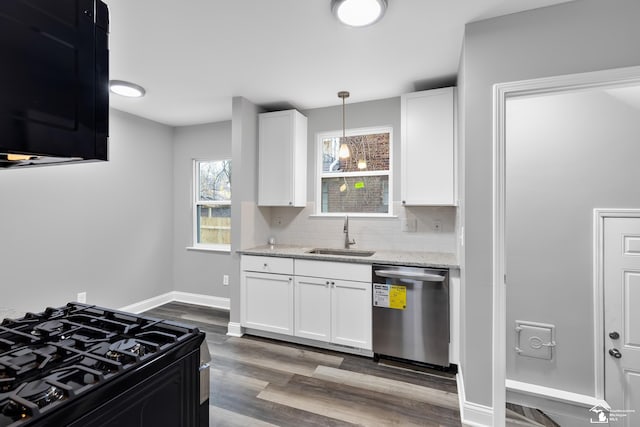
(358, 184)
(212, 205)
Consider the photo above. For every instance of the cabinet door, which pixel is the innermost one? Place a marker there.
(313, 308)
(282, 153)
(351, 314)
(275, 150)
(267, 302)
(428, 148)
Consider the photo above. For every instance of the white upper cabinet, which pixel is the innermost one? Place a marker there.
(282, 164)
(428, 148)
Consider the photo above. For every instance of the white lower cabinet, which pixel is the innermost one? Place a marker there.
(330, 308)
(312, 307)
(324, 301)
(351, 314)
(266, 299)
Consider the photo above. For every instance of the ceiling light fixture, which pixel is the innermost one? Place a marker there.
(358, 13)
(343, 153)
(128, 89)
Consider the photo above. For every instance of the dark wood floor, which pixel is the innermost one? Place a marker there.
(261, 382)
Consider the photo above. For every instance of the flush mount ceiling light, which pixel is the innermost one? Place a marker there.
(128, 89)
(358, 13)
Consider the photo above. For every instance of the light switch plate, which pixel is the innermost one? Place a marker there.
(535, 340)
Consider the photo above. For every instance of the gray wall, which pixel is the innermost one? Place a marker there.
(566, 155)
(249, 224)
(384, 112)
(91, 227)
(574, 37)
(195, 271)
(300, 227)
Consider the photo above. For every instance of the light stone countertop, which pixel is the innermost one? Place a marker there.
(405, 258)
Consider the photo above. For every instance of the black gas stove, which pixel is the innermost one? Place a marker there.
(83, 365)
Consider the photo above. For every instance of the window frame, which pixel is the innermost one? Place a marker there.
(319, 174)
(196, 203)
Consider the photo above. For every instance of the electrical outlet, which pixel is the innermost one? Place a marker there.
(82, 297)
(225, 279)
(277, 220)
(436, 226)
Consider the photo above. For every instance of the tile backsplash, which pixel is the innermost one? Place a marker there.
(299, 226)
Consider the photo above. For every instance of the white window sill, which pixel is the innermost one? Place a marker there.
(220, 249)
(354, 215)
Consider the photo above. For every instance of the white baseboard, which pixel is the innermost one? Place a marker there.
(197, 299)
(552, 401)
(205, 300)
(148, 304)
(234, 329)
(472, 414)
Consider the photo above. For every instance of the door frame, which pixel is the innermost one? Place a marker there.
(501, 93)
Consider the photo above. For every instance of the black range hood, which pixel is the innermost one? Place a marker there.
(54, 82)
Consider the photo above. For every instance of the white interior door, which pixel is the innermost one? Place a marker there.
(622, 319)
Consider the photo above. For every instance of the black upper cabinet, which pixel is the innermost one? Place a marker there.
(54, 77)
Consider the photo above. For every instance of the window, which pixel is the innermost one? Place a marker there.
(359, 184)
(212, 204)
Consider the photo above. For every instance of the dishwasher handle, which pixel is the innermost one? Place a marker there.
(423, 277)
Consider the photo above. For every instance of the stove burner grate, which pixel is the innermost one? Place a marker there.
(119, 350)
(48, 328)
(50, 359)
(41, 393)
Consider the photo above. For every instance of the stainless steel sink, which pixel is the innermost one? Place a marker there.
(341, 252)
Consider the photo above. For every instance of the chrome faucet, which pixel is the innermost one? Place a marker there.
(347, 242)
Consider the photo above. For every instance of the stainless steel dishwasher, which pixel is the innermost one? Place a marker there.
(411, 313)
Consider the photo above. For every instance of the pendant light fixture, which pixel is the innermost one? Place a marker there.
(344, 148)
(358, 13)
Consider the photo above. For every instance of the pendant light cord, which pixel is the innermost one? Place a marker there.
(343, 122)
(344, 149)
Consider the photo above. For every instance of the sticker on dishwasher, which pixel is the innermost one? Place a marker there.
(390, 296)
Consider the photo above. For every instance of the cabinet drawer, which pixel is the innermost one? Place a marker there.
(266, 264)
(333, 270)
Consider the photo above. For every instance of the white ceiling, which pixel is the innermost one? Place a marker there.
(193, 56)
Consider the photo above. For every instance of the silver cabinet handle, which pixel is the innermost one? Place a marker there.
(425, 277)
